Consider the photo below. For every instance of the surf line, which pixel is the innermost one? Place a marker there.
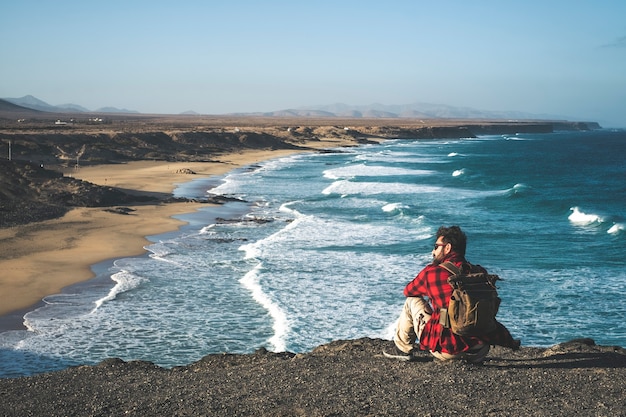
(251, 281)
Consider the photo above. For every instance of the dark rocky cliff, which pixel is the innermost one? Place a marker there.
(29, 192)
(341, 378)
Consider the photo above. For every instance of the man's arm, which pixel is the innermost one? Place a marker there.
(417, 287)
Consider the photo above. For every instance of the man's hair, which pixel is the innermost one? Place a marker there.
(455, 237)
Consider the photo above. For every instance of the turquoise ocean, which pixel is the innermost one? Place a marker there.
(321, 245)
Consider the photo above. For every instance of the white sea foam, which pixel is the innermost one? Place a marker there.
(583, 219)
(363, 170)
(251, 281)
(458, 172)
(160, 251)
(515, 137)
(126, 281)
(286, 208)
(516, 189)
(251, 250)
(255, 250)
(398, 157)
(346, 188)
(280, 163)
(391, 207)
(207, 229)
(229, 185)
(232, 184)
(390, 331)
(452, 154)
(617, 228)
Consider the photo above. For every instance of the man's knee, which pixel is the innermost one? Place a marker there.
(417, 306)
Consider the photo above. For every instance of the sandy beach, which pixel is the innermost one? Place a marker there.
(42, 258)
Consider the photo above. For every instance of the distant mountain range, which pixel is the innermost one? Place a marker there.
(34, 103)
(413, 111)
(339, 110)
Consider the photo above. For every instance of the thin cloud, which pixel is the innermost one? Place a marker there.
(617, 43)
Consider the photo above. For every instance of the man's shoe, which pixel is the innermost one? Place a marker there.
(394, 353)
(477, 354)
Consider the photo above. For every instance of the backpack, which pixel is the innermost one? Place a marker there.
(474, 303)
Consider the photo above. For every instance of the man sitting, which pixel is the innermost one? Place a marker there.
(419, 318)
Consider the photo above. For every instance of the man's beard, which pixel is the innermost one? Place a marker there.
(437, 259)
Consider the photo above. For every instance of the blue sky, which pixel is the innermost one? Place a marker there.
(549, 57)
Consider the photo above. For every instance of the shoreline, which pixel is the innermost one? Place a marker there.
(45, 257)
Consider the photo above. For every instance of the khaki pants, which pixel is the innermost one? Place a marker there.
(415, 314)
(413, 317)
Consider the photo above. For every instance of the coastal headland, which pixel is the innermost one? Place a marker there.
(86, 190)
(341, 378)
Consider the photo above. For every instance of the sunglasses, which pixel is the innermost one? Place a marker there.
(439, 244)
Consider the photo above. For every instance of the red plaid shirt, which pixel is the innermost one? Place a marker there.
(432, 282)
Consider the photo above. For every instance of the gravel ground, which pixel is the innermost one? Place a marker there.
(342, 378)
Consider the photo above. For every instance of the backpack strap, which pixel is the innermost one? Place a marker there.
(444, 319)
(451, 268)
